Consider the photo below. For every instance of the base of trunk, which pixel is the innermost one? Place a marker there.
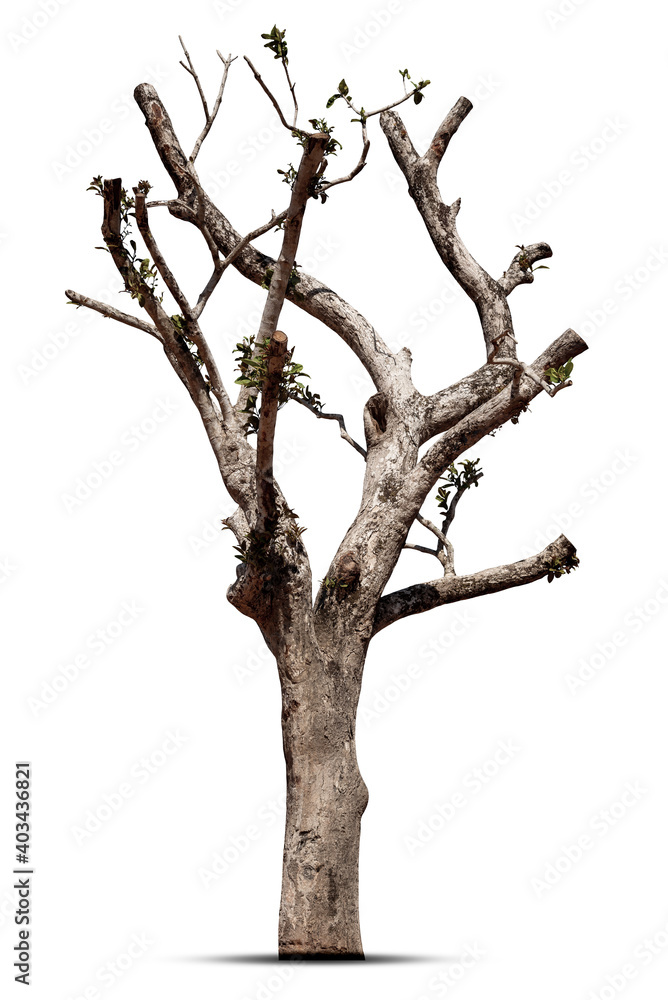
(320, 956)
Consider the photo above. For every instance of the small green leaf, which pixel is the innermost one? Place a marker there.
(343, 88)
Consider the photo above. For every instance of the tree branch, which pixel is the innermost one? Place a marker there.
(490, 415)
(440, 220)
(192, 327)
(292, 128)
(446, 408)
(445, 132)
(111, 313)
(210, 118)
(425, 596)
(314, 297)
(266, 487)
(520, 271)
(333, 416)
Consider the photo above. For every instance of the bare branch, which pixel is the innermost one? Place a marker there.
(291, 85)
(499, 408)
(361, 163)
(314, 297)
(292, 128)
(445, 132)
(439, 218)
(111, 313)
(333, 416)
(210, 119)
(192, 328)
(520, 271)
(266, 487)
(191, 69)
(221, 265)
(425, 596)
(443, 542)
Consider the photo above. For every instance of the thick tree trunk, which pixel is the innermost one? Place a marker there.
(326, 796)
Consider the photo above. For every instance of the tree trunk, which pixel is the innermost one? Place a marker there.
(326, 796)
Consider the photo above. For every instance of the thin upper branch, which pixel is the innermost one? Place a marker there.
(266, 487)
(333, 416)
(449, 589)
(192, 327)
(210, 118)
(292, 128)
(111, 313)
(310, 295)
(191, 69)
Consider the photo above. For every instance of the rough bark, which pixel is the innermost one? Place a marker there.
(320, 646)
(326, 796)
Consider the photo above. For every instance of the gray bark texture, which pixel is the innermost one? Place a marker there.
(320, 644)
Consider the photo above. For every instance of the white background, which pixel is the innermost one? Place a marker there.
(546, 86)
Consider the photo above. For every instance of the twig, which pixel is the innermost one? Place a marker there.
(366, 143)
(221, 265)
(443, 542)
(212, 117)
(333, 416)
(191, 69)
(292, 128)
(291, 85)
(193, 330)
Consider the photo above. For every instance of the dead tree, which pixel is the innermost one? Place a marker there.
(320, 645)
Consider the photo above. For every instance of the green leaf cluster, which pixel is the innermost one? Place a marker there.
(557, 568)
(557, 375)
(277, 44)
(458, 481)
(254, 373)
